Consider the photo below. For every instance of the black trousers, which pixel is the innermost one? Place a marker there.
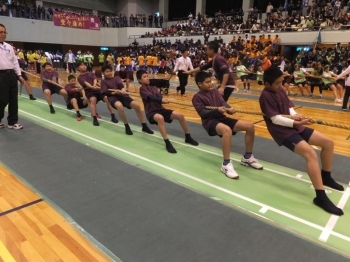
(9, 96)
(227, 93)
(71, 67)
(346, 97)
(183, 78)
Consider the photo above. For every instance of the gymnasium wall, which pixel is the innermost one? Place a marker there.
(36, 31)
(109, 6)
(129, 7)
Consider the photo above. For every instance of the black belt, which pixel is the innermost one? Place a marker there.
(7, 71)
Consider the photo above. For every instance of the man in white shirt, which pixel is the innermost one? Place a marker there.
(269, 10)
(10, 73)
(184, 63)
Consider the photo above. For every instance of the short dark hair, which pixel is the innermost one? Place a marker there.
(201, 76)
(213, 46)
(140, 73)
(46, 64)
(272, 74)
(105, 67)
(122, 66)
(80, 63)
(70, 77)
(1, 25)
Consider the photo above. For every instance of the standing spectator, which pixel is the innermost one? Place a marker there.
(269, 10)
(150, 20)
(161, 20)
(190, 17)
(10, 73)
(70, 59)
(156, 20)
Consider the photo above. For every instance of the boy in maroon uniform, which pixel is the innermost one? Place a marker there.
(88, 81)
(217, 124)
(49, 76)
(292, 134)
(157, 114)
(119, 99)
(221, 68)
(124, 75)
(75, 98)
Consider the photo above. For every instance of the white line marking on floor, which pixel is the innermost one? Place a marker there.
(280, 212)
(216, 198)
(299, 176)
(264, 209)
(176, 142)
(334, 219)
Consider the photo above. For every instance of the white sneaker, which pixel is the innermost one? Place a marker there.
(338, 101)
(15, 126)
(252, 161)
(229, 171)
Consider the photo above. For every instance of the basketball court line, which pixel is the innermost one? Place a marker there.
(183, 174)
(333, 219)
(183, 144)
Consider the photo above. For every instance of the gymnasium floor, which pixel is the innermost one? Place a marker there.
(135, 202)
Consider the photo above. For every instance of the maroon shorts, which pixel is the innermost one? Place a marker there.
(53, 89)
(226, 121)
(166, 113)
(125, 100)
(294, 139)
(98, 96)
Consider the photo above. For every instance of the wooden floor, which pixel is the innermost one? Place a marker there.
(37, 232)
(339, 136)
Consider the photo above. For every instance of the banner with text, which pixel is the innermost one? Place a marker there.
(76, 21)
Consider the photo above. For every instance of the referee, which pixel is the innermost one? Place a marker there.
(10, 73)
(183, 64)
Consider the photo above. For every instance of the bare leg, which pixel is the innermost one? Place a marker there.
(177, 116)
(134, 105)
(249, 133)
(121, 112)
(226, 133)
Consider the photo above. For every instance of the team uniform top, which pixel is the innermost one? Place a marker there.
(273, 104)
(89, 78)
(72, 92)
(211, 98)
(111, 83)
(48, 76)
(152, 99)
(221, 67)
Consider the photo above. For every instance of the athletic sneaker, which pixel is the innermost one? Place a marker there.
(229, 171)
(2, 126)
(15, 126)
(320, 96)
(252, 161)
(338, 101)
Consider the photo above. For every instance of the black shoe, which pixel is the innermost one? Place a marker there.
(95, 122)
(147, 130)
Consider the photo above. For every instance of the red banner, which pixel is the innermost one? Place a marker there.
(76, 21)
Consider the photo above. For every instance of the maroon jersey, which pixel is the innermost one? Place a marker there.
(221, 67)
(273, 104)
(151, 98)
(89, 78)
(210, 98)
(48, 76)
